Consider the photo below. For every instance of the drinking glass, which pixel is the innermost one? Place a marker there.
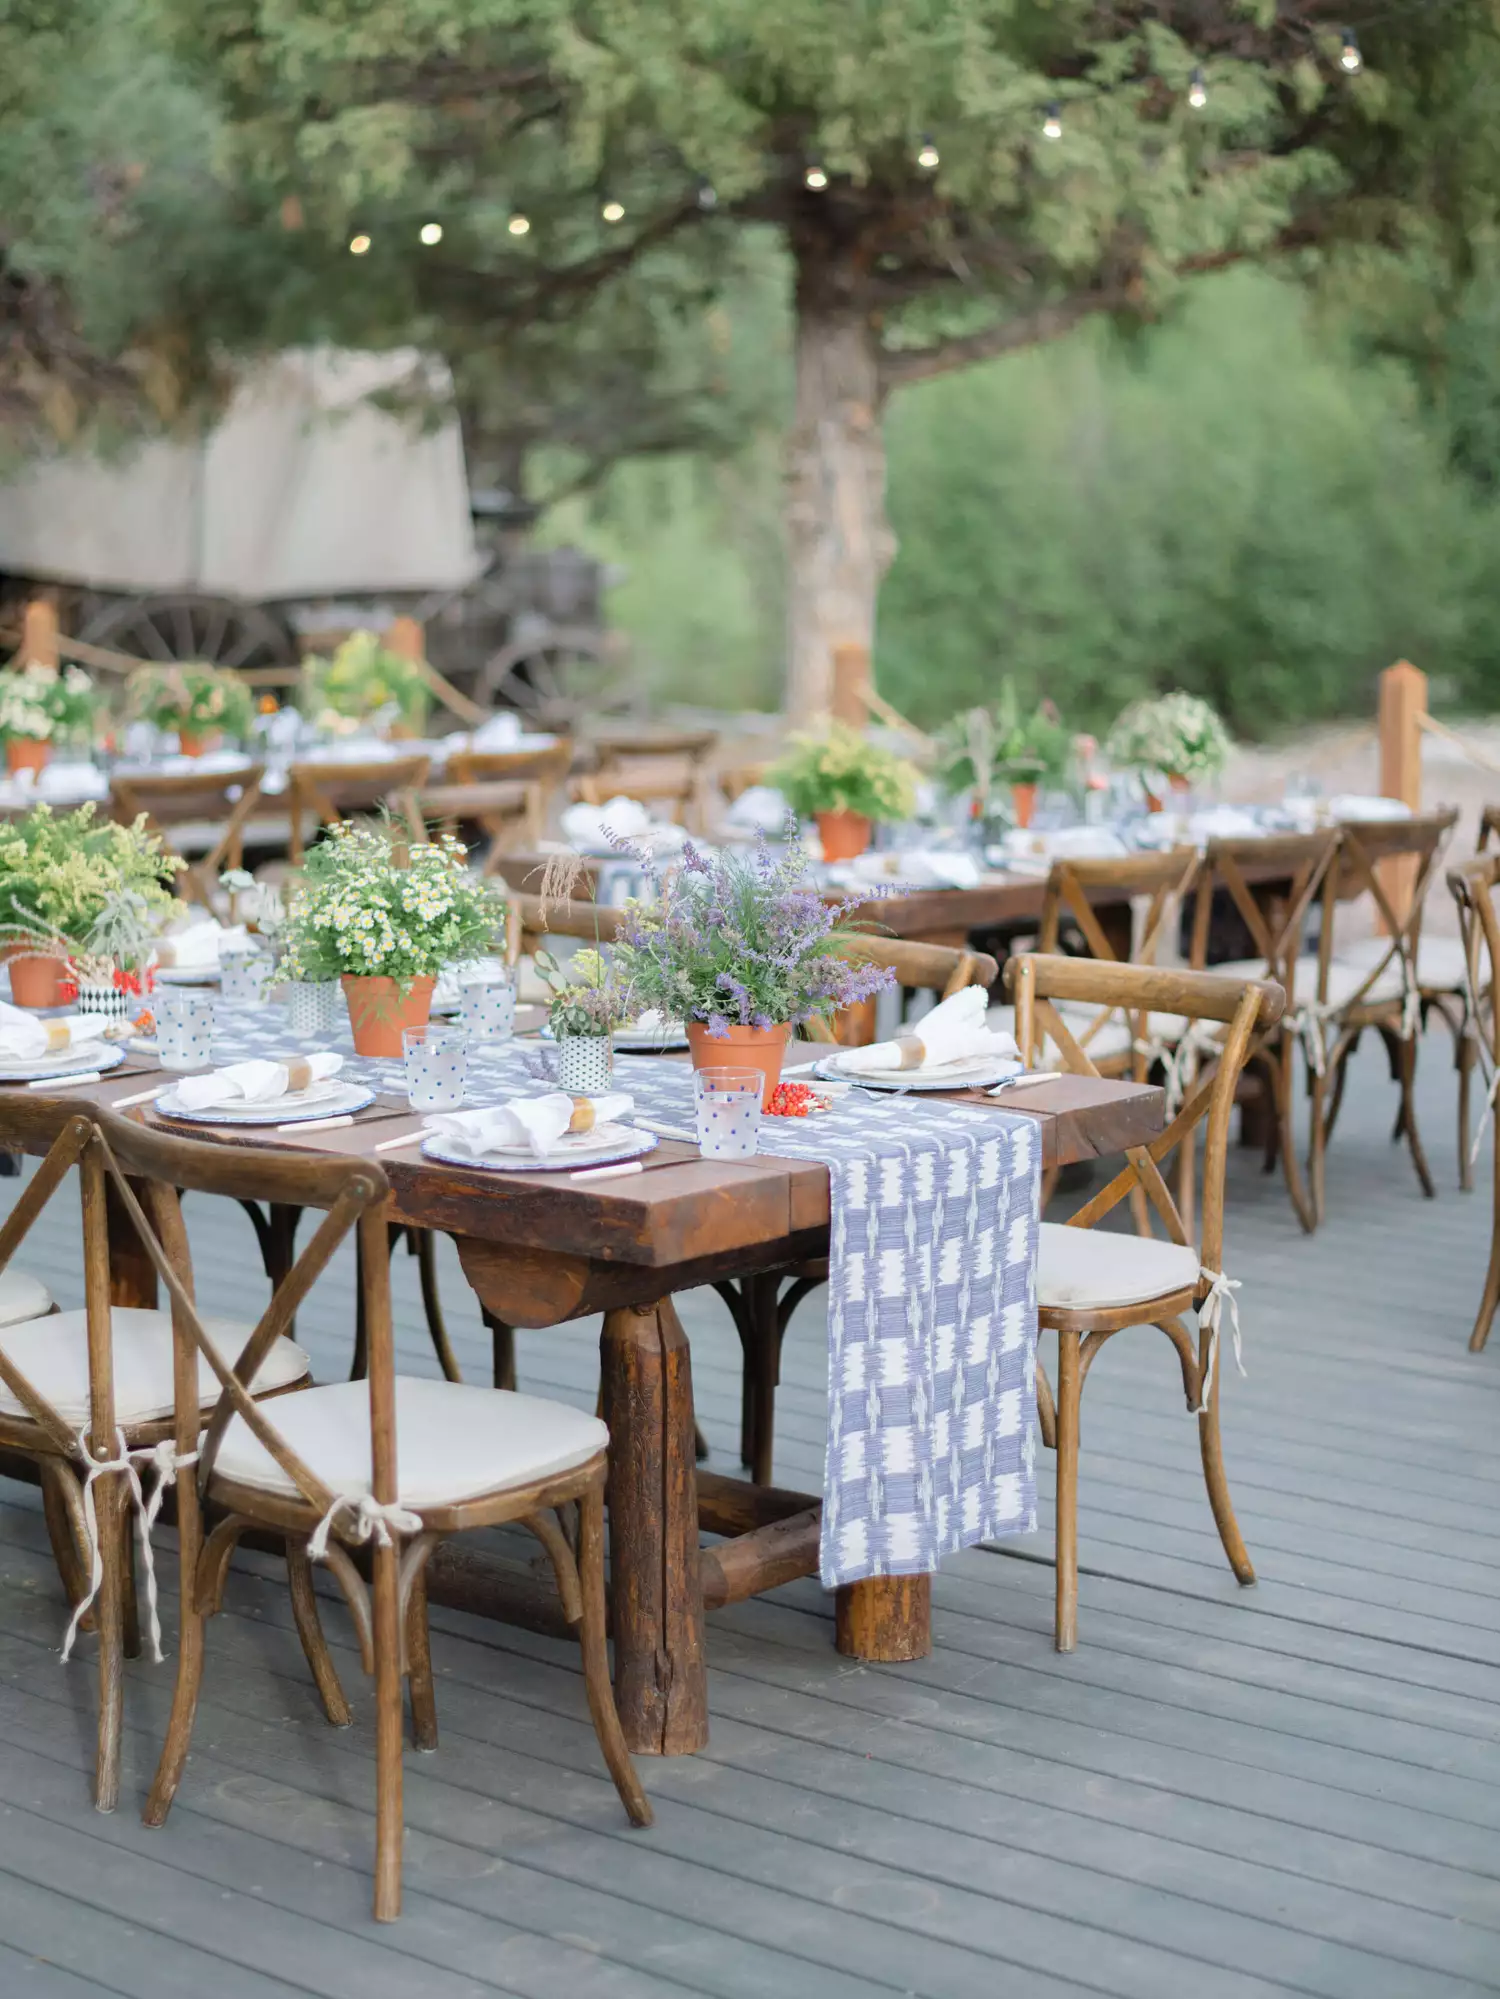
(244, 973)
(728, 1103)
(184, 1026)
(437, 1066)
(487, 1007)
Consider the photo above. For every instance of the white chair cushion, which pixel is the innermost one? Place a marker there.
(22, 1297)
(1112, 1039)
(1089, 1269)
(53, 1354)
(1344, 979)
(1440, 961)
(453, 1441)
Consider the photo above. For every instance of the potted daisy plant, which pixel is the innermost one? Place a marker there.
(40, 706)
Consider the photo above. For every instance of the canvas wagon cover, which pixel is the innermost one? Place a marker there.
(304, 489)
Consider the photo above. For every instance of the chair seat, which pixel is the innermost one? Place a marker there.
(1081, 1270)
(1440, 962)
(22, 1296)
(1112, 1039)
(453, 1441)
(53, 1355)
(1345, 977)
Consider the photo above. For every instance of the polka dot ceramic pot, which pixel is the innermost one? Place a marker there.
(314, 1006)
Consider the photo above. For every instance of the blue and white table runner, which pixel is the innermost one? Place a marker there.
(931, 1296)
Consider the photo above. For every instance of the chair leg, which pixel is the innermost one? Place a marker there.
(1046, 1413)
(1464, 1063)
(389, 1745)
(1491, 1296)
(1069, 1391)
(310, 1631)
(432, 1304)
(60, 1535)
(503, 1346)
(110, 1610)
(1408, 1120)
(424, 1725)
(179, 1734)
(130, 1617)
(596, 1659)
(765, 1359)
(1210, 1445)
(1282, 1072)
(1317, 1179)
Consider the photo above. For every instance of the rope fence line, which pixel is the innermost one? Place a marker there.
(1433, 727)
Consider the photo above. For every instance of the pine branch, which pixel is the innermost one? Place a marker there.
(901, 366)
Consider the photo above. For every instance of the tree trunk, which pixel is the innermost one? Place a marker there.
(839, 543)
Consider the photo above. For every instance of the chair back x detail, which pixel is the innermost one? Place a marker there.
(332, 791)
(220, 801)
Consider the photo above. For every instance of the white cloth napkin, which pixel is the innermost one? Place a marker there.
(500, 732)
(197, 948)
(253, 1082)
(71, 781)
(24, 1038)
(760, 808)
(588, 828)
(954, 1031)
(536, 1122)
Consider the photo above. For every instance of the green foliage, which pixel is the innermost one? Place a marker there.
(587, 996)
(985, 745)
(370, 906)
(1233, 504)
(59, 872)
(196, 700)
(837, 769)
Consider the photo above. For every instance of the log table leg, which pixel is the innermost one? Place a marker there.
(885, 1619)
(132, 1279)
(661, 1687)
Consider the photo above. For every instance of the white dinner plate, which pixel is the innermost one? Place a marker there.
(327, 1099)
(974, 1072)
(638, 1040)
(77, 1062)
(187, 975)
(600, 1147)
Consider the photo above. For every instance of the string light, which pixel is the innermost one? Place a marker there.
(816, 178)
(1052, 123)
(1350, 56)
(707, 195)
(613, 211)
(1198, 90)
(927, 154)
(358, 245)
(518, 225)
(430, 233)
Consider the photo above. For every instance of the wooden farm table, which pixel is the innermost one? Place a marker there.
(540, 1249)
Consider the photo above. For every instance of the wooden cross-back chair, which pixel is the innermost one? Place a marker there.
(88, 1397)
(545, 767)
(510, 815)
(1380, 988)
(1489, 826)
(762, 1305)
(1299, 869)
(393, 1461)
(220, 801)
(1473, 888)
(1093, 1283)
(677, 783)
(334, 791)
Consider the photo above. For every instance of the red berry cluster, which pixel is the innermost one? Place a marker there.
(797, 1100)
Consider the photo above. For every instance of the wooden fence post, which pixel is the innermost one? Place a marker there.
(406, 637)
(851, 676)
(1403, 702)
(39, 633)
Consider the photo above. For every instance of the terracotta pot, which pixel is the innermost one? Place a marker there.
(845, 835)
(378, 1013)
(36, 981)
(762, 1048)
(1023, 802)
(1180, 784)
(24, 753)
(192, 744)
(1153, 803)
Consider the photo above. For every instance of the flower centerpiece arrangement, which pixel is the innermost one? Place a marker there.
(985, 747)
(62, 876)
(202, 703)
(846, 783)
(1175, 737)
(39, 707)
(364, 685)
(384, 917)
(742, 947)
(589, 998)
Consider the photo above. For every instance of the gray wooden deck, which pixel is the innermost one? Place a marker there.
(1230, 1793)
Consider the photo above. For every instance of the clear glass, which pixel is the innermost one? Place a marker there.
(728, 1103)
(487, 1007)
(437, 1066)
(244, 974)
(184, 1027)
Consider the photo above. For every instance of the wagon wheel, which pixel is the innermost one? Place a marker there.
(558, 676)
(219, 631)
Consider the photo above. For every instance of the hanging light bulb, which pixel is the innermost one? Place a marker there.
(707, 194)
(358, 245)
(927, 154)
(518, 225)
(430, 233)
(1198, 90)
(1349, 55)
(1052, 123)
(613, 211)
(816, 178)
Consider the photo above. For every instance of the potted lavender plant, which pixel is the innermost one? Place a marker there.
(744, 948)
